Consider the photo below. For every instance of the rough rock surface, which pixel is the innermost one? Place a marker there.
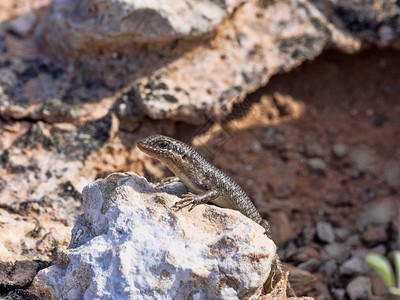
(376, 21)
(192, 81)
(22, 25)
(40, 154)
(91, 24)
(189, 80)
(20, 295)
(19, 274)
(41, 179)
(130, 243)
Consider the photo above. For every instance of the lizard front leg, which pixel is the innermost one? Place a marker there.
(194, 200)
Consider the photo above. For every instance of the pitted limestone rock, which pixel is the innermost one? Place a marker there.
(138, 247)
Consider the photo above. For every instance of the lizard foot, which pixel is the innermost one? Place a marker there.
(187, 199)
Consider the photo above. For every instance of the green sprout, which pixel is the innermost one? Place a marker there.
(382, 266)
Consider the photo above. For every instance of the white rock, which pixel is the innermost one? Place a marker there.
(130, 244)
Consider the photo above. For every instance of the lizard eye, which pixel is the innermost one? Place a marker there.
(163, 144)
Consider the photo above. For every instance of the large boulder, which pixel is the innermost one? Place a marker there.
(129, 243)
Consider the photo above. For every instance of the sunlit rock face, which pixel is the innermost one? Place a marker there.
(129, 243)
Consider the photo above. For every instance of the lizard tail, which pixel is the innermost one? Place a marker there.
(246, 207)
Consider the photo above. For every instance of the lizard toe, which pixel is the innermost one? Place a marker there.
(183, 203)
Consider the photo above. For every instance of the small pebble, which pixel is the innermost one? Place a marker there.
(317, 164)
(328, 268)
(342, 233)
(256, 146)
(364, 159)
(305, 253)
(340, 150)
(359, 288)
(310, 265)
(313, 149)
(325, 232)
(354, 266)
(338, 251)
(379, 212)
(380, 249)
(339, 294)
(353, 241)
(374, 235)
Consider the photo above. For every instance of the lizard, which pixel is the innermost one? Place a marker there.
(206, 184)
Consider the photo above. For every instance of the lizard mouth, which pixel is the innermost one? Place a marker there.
(141, 144)
(145, 147)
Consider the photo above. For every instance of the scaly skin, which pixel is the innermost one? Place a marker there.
(205, 182)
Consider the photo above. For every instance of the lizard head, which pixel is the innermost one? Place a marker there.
(165, 148)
